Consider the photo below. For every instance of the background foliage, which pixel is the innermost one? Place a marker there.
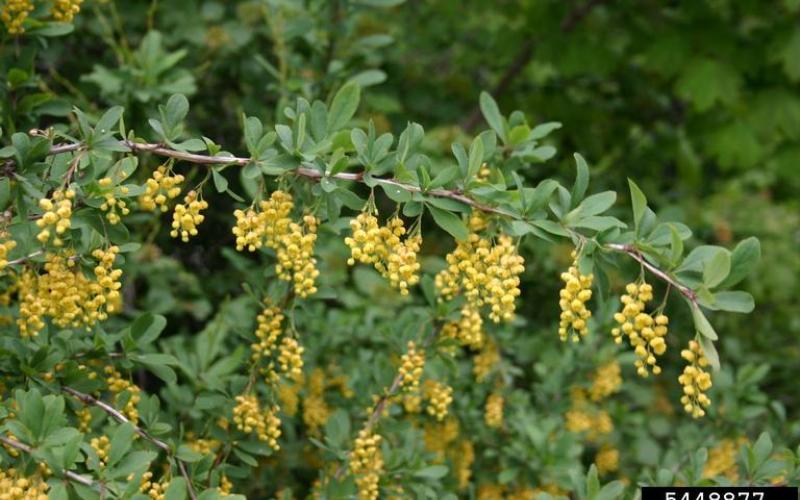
(697, 101)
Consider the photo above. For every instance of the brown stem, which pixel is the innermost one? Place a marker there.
(633, 252)
(13, 443)
(88, 399)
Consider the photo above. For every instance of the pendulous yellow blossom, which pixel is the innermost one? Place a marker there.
(645, 332)
(14, 13)
(486, 274)
(102, 446)
(295, 253)
(384, 247)
(463, 460)
(6, 245)
(249, 418)
(607, 459)
(366, 464)
(438, 436)
(15, 486)
(65, 10)
(607, 380)
(722, 459)
(114, 208)
(572, 300)
(117, 385)
(290, 358)
(486, 361)
(267, 332)
(439, 397)
(187, 216)
(55, 220)
(695, 380)
(468, 330)
(159, 189)
(493, 414)
(412, 364)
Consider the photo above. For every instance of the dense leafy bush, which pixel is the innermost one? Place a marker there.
(293, 290)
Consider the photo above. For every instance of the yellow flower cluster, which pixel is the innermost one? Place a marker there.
(468, 330)
(722, 459)
(153, 489)
(607, 380)
(438, 436)
(249, 417)
(645, 332)
(267, 332)
(225, 486)
(289, 397)
(15, 486)
(695, 380)
(290, 358)
(295, 253)
(63, 293)
(485, 361)
(187, 216)
(6, 245)
(56, 216)
(412, 364)
(315, 410)
(384, 248)
(607, 459)
(486, 274)
(572, 300)
(203, 446)
(65, 10)
(493, 414)
(84, 416)
(583, 417)
(439, 397)
(463, 460)
(366, 464)
(14, 14)
(159, 189)
(101, 446)
(117, 385)
(271, 226)
(114, 208)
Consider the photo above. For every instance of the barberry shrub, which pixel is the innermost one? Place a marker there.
(371, 337)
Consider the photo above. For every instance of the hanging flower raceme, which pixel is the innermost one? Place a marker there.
(572, 300)
(290, 358)
(6, 245)
(55, 220)
(187, 216)
(485, 361)
(366, 464)
(14, 485)
(695, 380)
(412, 364)
(65, 10)
(295, 253)
(114, 208)
(118, 385)
(485, 274)
(14, 13)
(439, 397)
(607, 380)
(159, 189)
(267, 332)
(250, 418)
(645, 332)
(385, 249)
(493, 414)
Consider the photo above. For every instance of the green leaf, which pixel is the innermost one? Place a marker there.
(396, 194)
(716, 269)
(121, 441)
(743, 259)
(475, 158)
(177, 489)
(704, 82)
(449, 222)
(551, 227)
(710, 351)
(220, 182)
(595, 204)
(147, 327)
(176, 110)
(737, 301)
(581, 181)
(702, 325)
(344, 106)
(639, 202)
(491, 113)
(432, 472)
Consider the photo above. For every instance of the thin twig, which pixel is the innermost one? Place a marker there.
(72, 476)
(88, 399)
(633, 252)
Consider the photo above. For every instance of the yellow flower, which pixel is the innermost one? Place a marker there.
(695, 380)
(572, 300)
